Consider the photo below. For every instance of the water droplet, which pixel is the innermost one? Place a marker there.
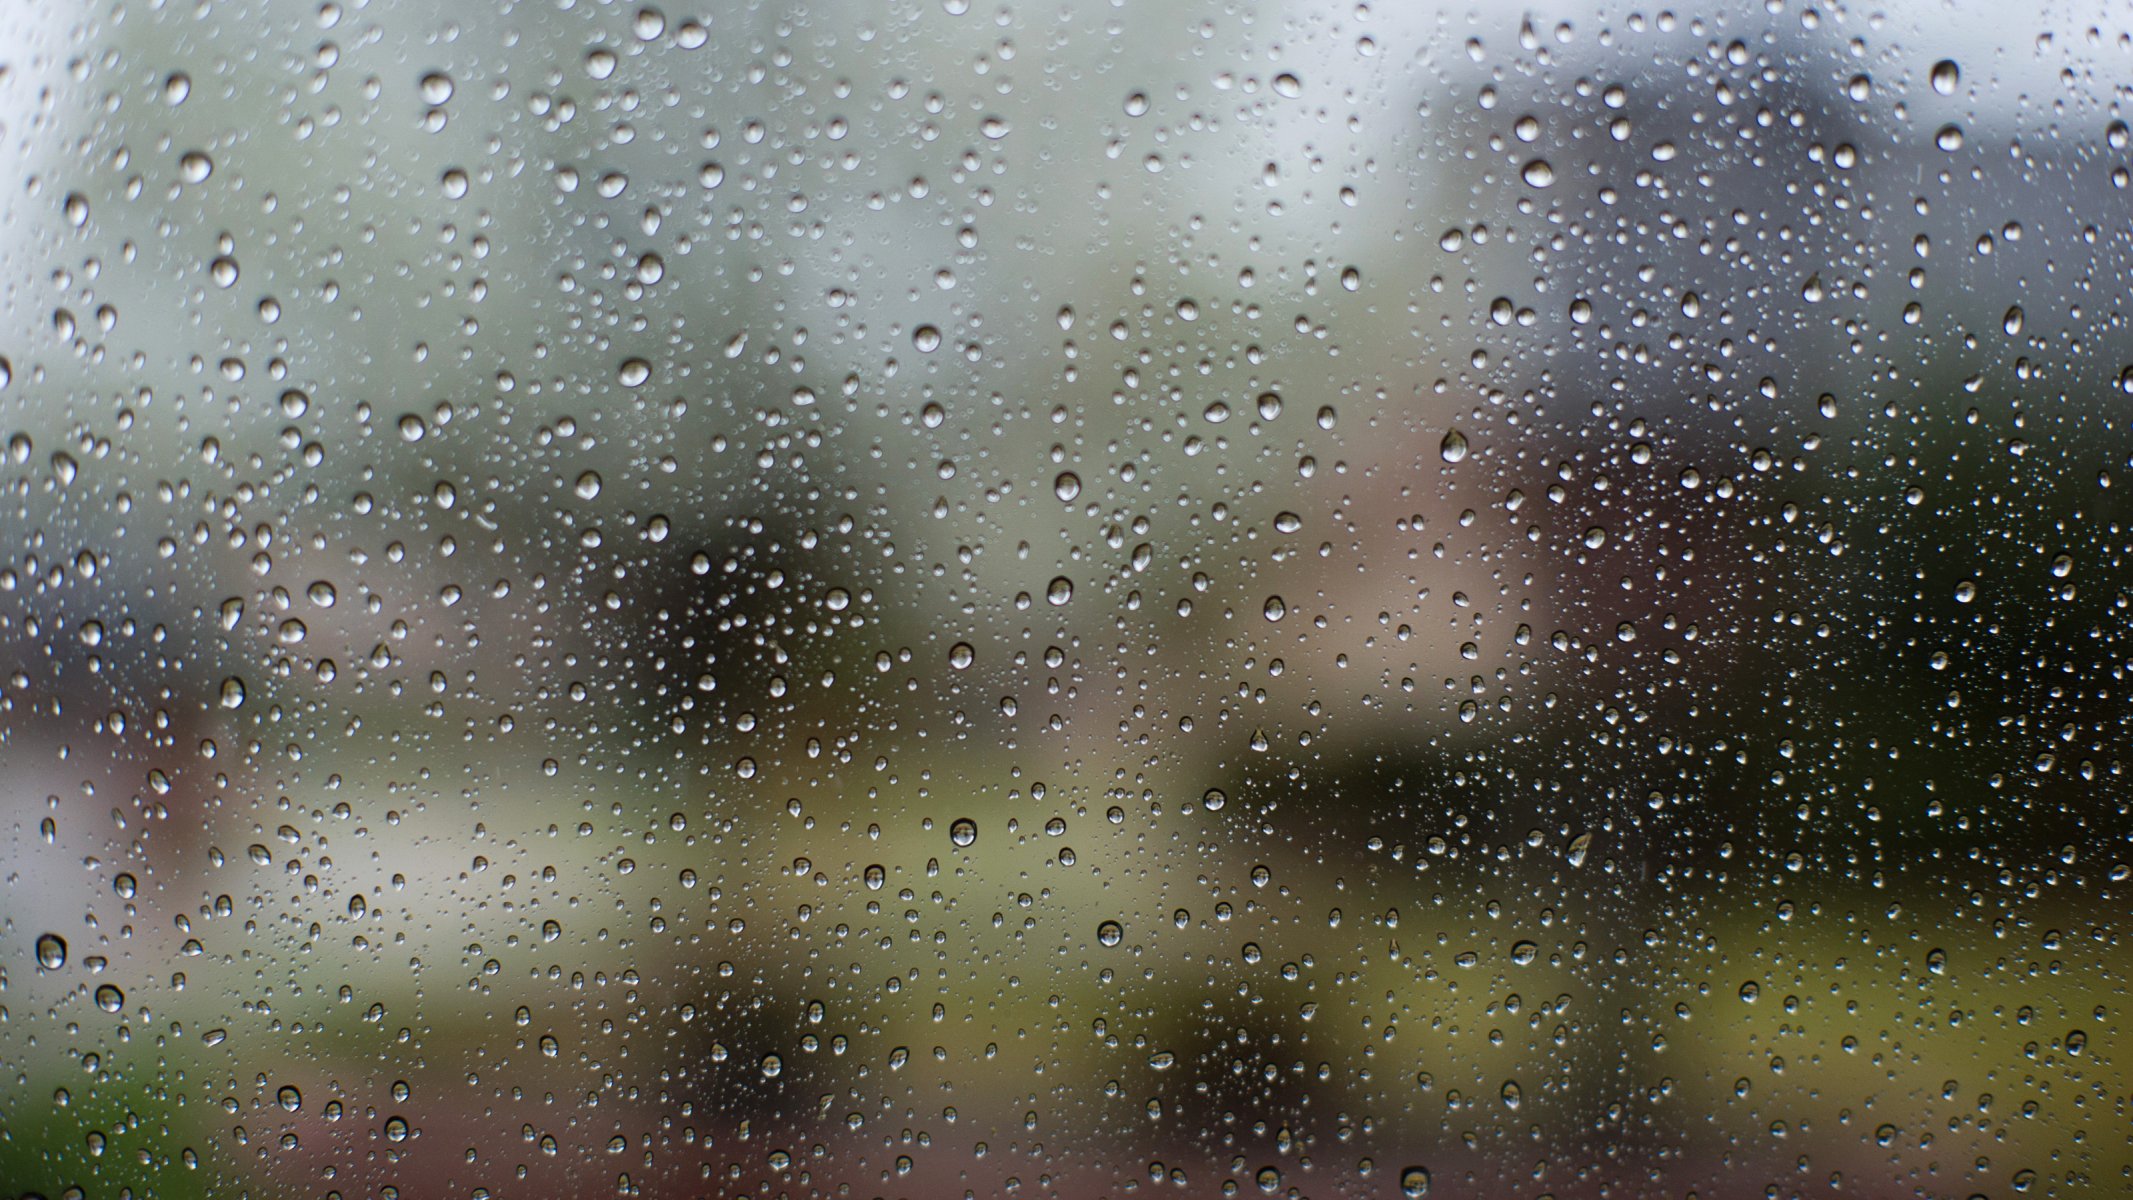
(1275, 608)
(587, 486)
(1060, 591)
(1067, 486)
(1414, 1181)
(963, 831)
(1288, 85)
(961, 655)
(176, 87)
(1512, 1096)
(875, 876)
(1946, 76)
(1950, 137)
(1966, 591)
(51, 951)
(195, 167)
(436, 88)
(1538, 173)
(289, 1098)
(233, 692)
(413, 428)
(1110, 933)
(2012, 321)
(1523, 953)
(1750, 991)
(926, 339)
(634, 372)
(1213, 800)
(1453, 448)
(109, 998)
(1269, 406)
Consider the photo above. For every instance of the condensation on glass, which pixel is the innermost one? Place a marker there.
(965, 599)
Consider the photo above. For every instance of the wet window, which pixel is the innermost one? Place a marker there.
(972, 598)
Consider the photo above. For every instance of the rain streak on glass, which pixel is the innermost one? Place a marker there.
(1292, 600)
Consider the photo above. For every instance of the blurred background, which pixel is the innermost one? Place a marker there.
(965, 599)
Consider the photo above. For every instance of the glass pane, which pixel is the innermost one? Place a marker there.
(975, 598)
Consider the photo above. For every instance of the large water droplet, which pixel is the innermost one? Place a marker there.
(51, 951)
(1453, 448)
